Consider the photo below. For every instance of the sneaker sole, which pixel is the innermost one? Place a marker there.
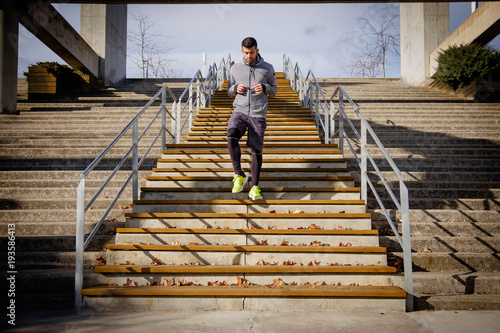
(242, 185)
(252, 198)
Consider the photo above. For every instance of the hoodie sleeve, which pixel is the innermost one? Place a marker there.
(231, 86)
(271, 85)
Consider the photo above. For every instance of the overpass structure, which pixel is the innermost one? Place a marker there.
(100, 48)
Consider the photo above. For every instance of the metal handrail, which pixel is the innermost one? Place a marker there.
(311, 96)
(204, 90)
(302, 85)
(198, 92)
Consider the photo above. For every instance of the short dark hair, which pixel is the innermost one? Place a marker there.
(249, 42)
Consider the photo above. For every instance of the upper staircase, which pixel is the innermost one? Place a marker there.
(192, 244)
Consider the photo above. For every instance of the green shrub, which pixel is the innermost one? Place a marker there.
(462, 64)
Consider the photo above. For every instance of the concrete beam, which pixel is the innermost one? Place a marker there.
(481, 26)
(9, 35)
(45, 22)
(104, 27)
(423, 27)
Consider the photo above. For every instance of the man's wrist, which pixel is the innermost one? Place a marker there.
(263, 87)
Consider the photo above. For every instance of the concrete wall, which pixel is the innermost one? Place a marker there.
(104, 27)
(481, 26)
(423, 27)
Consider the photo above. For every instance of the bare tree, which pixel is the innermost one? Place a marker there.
(369, 47)
(149, 49)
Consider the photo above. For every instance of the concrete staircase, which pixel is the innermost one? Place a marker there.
(448, 149)
(190, 244)
(43, 151)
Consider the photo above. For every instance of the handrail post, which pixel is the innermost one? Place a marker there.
(332, 121)
(408, 265)
(363, 165)
(173, 131)
(190, 106)
(197, 96)
(178, 124)
(164, 119)
(135, 162)
(327, 123)
(341, 121)
(80, 240)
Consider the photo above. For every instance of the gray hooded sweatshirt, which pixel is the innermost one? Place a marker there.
(250, 103)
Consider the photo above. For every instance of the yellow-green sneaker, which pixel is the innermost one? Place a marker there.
(254, 193)
(238, 183)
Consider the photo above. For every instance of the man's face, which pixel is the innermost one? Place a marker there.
(250, 54)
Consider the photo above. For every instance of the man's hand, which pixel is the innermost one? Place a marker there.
(258, 88)
(241, 88)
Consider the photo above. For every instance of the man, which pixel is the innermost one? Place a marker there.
(250, 81)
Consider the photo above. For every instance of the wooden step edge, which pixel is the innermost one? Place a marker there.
(269, 134)
(248, 170)
(268, 160)
(266, 145)
(240, 269)
(249, 202)
(249, 151)
(245, 231)
(249, 291)
(263, 189)
(222, 178)
(267, 139)
(248, 248)
(250, 215)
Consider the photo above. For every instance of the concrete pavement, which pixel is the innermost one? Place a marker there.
(253, 321)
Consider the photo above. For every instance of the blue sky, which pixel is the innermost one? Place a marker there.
(309, 34)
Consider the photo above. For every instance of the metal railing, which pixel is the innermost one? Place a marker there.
(311, 96)
(309, 91)
(198, 93)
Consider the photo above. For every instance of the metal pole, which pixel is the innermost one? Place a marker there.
(405, 221)
(327, 123)
(164, 119)
(332, 121)
(341, 121)
(190, 106)
(173, 131)
(178, 124)
(363, 165)
(79, 241)
(135, 162)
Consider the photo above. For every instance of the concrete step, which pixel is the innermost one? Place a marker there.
(225, 182)
(248, 206)
(250, 220)
(453, 261)
(447, 244)
(245, 163)
(237, 298)
(271, 193)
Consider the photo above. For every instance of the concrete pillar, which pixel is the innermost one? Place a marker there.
(423, 27)
(9, 36)
(104, 27)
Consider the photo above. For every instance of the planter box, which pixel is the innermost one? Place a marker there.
(41, 84)
(45, 85)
